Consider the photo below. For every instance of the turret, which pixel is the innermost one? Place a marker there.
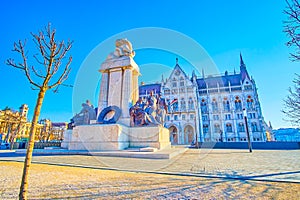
(243, 69)
(24, 110)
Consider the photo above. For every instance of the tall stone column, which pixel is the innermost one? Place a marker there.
(102, 102)
(126, 91)
(115, 87)
(135, 86)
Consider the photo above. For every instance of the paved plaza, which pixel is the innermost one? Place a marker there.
(193, 174)
(269, 165)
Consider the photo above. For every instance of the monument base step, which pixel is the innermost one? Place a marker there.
(111, 137)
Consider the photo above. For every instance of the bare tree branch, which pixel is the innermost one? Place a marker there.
(292, 27)
(292, 103)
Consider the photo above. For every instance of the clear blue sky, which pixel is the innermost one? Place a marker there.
(223, 28)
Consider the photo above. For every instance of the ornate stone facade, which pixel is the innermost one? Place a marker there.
(210, 108)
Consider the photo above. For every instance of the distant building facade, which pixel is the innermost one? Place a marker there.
(15, 126)
(210, 108)
(287, 135)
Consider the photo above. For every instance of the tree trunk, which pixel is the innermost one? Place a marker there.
(27, 162)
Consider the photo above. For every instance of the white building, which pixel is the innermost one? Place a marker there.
(210, 108)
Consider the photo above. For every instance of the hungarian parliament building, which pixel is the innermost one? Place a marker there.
(212, 108)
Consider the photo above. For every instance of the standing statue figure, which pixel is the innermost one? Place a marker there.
(151, 108)
(161, 109)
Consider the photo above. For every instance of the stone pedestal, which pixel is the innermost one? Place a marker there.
(99, 138)
(113, 137)
(156, 137)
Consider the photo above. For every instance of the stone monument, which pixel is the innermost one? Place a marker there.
(114, 129)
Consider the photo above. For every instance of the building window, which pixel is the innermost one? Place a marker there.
(238, 103)
(174, 84)
(205, 128)
(216, 117)
(175, 106)
(226, 105)
(227, 116)
(204, 117)
(239, 116)
(251, 115)
(254, 127)
(250, 104)
(217, 128)
(175, 117)
(167, 91)
(168, 118)
(181, 83)
(203, 106)
(183, 117)
(241, 127)
(214, 105)
(248, 87)
(191, 104)
(191, 116)
(183, 106)
(229, 128)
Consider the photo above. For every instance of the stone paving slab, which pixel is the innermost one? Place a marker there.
(267, 165)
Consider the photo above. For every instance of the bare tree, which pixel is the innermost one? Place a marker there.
(292, 103)
(53, 70)
(292, 27)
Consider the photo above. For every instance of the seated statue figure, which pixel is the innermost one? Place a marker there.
(146, 113)
(86, 114)
(138, 116)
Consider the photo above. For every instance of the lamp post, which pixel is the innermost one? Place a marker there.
(247, 130)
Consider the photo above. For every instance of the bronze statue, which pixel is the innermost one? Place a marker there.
(150, 112)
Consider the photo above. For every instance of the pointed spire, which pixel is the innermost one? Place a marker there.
(194, 77)
(270, 125)
(203, 73)
(241, 60)
(234, 71)
(162, 78)
(193, 73)
(176, 61)
(243, 69)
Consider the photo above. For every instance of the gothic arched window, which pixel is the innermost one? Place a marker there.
(214, 105)
(205, 128)
(241, 127)
(226, 105)
(238, 103)
(191, 104)
(254, 127)
(217, 128)
(229, 127)
(250, 104)
(182, 104)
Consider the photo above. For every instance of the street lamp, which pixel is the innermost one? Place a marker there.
(247, 130)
